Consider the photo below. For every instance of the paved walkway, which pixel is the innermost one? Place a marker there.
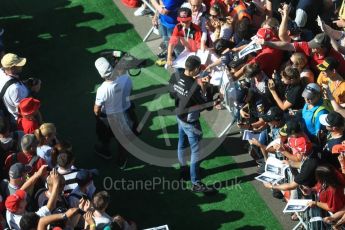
(142, 25)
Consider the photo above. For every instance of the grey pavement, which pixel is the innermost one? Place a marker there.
(142, 24)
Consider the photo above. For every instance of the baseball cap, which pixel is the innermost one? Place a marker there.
(333, 119)
(13, 201)
(18, 169)
(184, 14)
(273, 114)
(339, 148)
(329, 63)
(321, 40)
(266, 34)
(10, 60)
(103, 67)
(85, 176)
(311, 90)
(28, 106)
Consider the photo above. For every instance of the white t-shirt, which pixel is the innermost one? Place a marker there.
(14, 219)
(113, 96)
(45, 152)
(102, 221)
(13, 95)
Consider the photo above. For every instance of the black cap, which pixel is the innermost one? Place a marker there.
(333, 119)
(273, 114)
(18, 169)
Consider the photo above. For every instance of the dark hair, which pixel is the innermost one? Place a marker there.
(326, 174)
(242, 29)
(185, 9)
(222, 44)
(29, 221)
(192, 63)
(251, 70)
(64, 159)
(101, 200)
(290, 72)
(218, 8)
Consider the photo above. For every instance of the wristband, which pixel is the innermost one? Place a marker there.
(64, 217)
(92, 226)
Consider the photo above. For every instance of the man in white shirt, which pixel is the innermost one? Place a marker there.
(112, 107)
(11, 68)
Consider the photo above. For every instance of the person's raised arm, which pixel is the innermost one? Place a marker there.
(283, 105)
(32, 180)
(283, 28)
(277, 45)
(55, 189)
(47, 220)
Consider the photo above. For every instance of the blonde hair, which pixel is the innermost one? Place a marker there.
(45, 130)
(301, 59)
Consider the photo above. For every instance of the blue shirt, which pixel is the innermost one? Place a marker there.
(312, 128)
(170, 20)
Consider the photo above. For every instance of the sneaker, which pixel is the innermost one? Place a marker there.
(142, 10)
(101, 152)
(161, 62)
(201, 187)
(163, 54)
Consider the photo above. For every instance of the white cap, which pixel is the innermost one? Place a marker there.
(104, 68)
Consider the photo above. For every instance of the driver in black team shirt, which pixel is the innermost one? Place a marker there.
(191, 97)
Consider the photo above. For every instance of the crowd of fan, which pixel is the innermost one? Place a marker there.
(290, 90)
(41, 186)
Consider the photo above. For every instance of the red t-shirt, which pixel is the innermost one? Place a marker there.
(27, 126)
(192, 35)
(269, 60)
(25, 159)
(334, 197)
(318, 59)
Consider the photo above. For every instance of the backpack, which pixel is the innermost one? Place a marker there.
(326, 105)
(2, 93)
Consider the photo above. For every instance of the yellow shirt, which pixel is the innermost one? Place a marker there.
(336, 86)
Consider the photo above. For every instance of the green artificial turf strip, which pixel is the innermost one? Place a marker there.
(61, 40)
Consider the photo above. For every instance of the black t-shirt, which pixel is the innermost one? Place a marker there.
(188, 96)
(307, 173)
(327, 151)
(293, 94)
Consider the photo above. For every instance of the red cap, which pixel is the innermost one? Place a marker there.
(266, 34)
(339, 148)
(28, 106)
(300, 144)
(13, 201)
